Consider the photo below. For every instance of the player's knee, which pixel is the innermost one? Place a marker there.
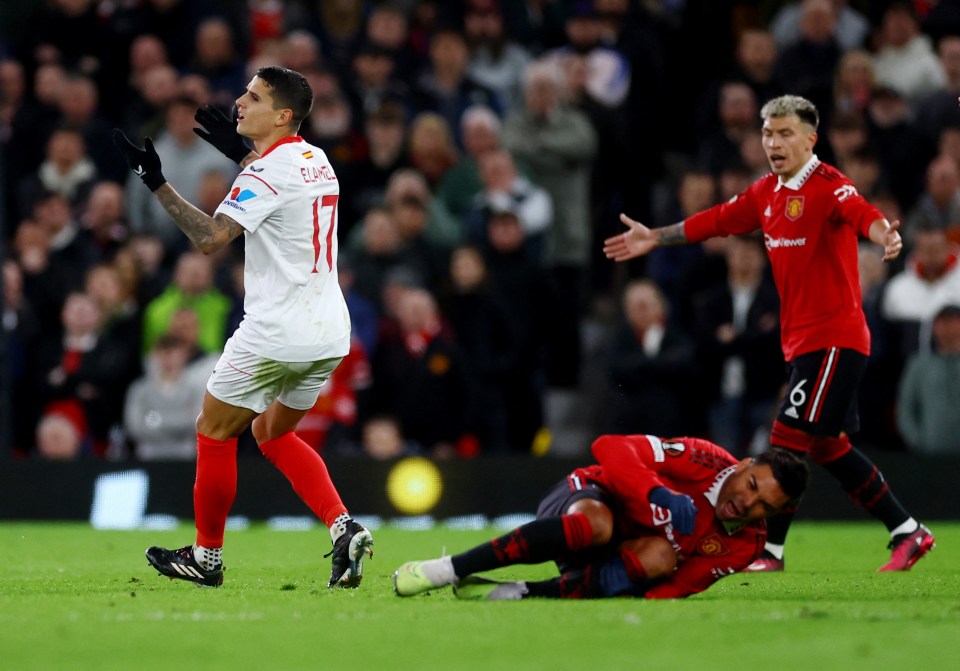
(600, 518)
(656, 555)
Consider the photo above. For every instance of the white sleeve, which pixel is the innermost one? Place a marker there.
(252, 198)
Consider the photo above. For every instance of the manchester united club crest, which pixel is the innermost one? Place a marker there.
(712, 546)
(794, 207)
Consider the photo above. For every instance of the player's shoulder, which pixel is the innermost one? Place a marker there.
(708, 454)
(830, 174)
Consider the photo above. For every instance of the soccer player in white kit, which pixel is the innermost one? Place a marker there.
(295, 329)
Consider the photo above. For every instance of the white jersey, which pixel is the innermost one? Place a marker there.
(286, 202)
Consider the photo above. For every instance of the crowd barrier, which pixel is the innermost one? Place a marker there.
(123, 495)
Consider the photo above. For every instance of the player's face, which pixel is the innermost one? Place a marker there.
(788, 143)
(750, 493)
(256, 114)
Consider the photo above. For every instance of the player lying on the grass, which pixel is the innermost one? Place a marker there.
(654, 517)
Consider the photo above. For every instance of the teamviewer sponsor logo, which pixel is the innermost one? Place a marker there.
(777, 243)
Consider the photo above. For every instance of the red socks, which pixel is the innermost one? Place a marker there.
(214, 488)
(306, 471)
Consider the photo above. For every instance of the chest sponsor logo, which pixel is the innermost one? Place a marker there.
(712, 546)
(771, 242)
(794, 207)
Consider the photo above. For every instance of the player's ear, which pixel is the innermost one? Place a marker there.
(284, 116)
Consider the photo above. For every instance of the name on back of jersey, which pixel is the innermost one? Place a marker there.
(312, 173)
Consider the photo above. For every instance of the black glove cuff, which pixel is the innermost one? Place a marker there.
(153, 180)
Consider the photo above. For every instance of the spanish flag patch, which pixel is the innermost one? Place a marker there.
(308, 154)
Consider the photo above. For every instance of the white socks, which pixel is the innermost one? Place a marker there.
(439, 571)
(339, 526)
(208, 558)
(775, 550)
(907, 527)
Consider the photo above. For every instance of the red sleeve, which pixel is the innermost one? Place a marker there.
(694, 575)
(628, 467)
(737, 216)
(853, 208)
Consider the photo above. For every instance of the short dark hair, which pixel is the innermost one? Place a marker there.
(790, 471)
(289, 89)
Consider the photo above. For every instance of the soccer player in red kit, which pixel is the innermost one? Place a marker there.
(811, 216)
(654, 518)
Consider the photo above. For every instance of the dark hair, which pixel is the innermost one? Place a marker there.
(790, 471)
(290, 90)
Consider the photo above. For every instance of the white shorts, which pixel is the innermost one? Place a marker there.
(248, 380)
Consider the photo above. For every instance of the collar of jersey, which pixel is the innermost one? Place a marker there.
(798, 180)
(283, 140)
(714, 492)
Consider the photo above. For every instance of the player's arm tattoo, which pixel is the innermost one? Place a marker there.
(672, 235)
(208, 233)
(250, 158)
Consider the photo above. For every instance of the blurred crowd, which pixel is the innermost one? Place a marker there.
(484, 150)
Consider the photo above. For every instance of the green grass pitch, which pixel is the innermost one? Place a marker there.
(75, 598)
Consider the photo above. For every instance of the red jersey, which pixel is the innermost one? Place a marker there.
(630, 466)
(811, 225)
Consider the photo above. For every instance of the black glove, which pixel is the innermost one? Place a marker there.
(144, 162)
(221, 132)
(683, 511)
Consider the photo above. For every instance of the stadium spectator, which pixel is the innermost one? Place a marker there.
(282, 293)
(901, 148)
(496, 61)
(431, 148)
(930, 280)
(526, 291)
(420, 376)
(905, 59)
(637, 523)
(939, 204)
(21, 332)
(192, 287)
(81, 375)
(385, 132)
(58, 438)
(937, 110)
(929, 391)
(79, 104)
(505, 190)
(444, 230)
(854, 82)
(104, 217)
(482, 327)
(445, 87)
(558, 145)
(67, 170)
(808, 65)
(850, 30)
(216, 58)
(480, 128)
(651, 364)
(160, 409)
(738, 121)
(738, 335)
(69, 253)
(823, 330)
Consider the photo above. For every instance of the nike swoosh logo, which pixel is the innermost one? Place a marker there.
(139, 170)
(256, 169)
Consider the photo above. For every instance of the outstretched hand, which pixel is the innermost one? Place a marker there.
(221, 131)
(892, 242)
(683, 511)
(637, 241)
(145, 162)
